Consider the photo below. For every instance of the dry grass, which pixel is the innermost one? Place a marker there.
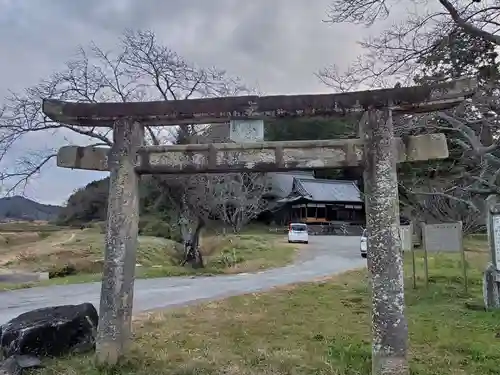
(9, 239)
(29, 246)
(13, 234)
(78, 254)
(26, 226)
(316, 328)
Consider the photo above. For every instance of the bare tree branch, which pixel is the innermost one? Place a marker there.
(239, 198)
(434, 41)
(139, 69)
(469, 27)
(395, 53)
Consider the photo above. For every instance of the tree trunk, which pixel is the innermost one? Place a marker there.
(195, 240)
(192, 254)
(237, 220)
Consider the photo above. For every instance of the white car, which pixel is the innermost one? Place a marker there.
(298, 232)
(363, 245)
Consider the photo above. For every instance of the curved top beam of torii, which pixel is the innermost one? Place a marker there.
(413, 99)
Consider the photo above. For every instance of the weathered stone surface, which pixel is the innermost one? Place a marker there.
(256, 156)
(51, 331)
(15, 364)
(117, 289)
(426, 98)
(491, 288)
(385, 258)
(491, 277)
(10, 367)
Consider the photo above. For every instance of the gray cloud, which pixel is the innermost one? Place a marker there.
(276, 45)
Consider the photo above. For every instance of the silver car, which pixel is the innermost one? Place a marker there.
(363, 245)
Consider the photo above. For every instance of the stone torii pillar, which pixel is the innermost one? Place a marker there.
(377, 150)
(389, 351)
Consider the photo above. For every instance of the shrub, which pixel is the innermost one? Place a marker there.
(62, 271)
(228, 258)
(26, 256)
(80, 266)
(158, 228)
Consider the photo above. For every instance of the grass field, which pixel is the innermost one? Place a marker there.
(24, 226)
(318, 328)
(78, 255)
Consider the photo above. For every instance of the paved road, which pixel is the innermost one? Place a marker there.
(324, 256)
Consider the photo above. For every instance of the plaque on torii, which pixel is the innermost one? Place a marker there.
(377, 151)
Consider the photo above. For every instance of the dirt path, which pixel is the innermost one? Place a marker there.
(69, 239)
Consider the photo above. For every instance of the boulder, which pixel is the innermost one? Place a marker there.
(51, 331)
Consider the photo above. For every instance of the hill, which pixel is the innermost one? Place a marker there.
(20, 208)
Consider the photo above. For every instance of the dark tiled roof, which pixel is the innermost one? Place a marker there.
(327, 190)
(281, 183)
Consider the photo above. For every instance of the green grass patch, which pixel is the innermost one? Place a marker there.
(316, 328)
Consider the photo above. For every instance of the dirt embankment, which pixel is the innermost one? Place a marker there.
(16, 246)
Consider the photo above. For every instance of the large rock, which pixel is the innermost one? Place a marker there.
(51, 331)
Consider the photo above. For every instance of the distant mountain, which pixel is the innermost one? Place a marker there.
(20, 208)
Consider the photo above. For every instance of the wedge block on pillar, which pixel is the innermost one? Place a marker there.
(88, 158)
(427, 147)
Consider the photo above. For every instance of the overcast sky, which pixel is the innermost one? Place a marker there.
(275, 45)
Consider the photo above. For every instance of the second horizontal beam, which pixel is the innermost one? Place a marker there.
(254, 157)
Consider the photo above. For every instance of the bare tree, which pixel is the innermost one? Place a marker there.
(436, 40)
(190, 199)
(437, 200)
(239, 198)
(396, 52)
(453, 189)
(139, 69)
(233, 198)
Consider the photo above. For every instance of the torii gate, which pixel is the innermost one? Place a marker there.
(377, 150)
